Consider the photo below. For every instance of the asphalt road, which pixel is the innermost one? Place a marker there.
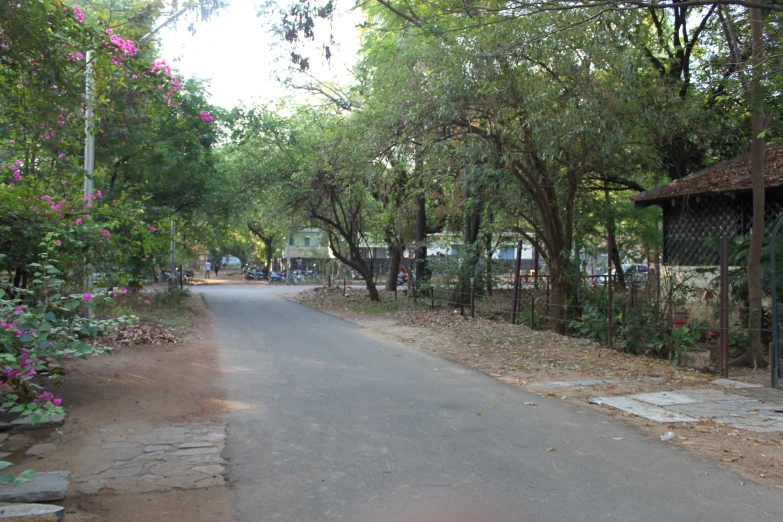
(327, 423)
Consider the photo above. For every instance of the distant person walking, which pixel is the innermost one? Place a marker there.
(217, 267)
(207, 268)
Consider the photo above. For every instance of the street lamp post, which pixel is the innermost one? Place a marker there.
(89, 162)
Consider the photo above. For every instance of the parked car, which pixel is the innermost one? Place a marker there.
(635, 274)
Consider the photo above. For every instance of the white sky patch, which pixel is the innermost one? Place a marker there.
(234, 52)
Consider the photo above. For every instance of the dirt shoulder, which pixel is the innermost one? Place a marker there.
(526, 358)
(137, 388)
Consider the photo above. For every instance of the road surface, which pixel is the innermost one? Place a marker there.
(328, 423)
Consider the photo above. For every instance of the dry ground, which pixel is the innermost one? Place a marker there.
(158, 384)
(523, 357)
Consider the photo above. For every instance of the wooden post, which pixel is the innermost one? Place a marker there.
(432, 297)
(515, 303)
(344, 284)
(181, 277)
(724, 307)
(609, 291)
(329, 279)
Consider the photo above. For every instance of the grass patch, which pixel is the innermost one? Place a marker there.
(166, 307)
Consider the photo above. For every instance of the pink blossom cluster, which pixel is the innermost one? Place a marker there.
(48, 399)
(16, 168)
(105, 233)
(8, 326)
(174, 84)
(128, 47)
(207, 117)
(75, 57)
(123, 291)
(90, 195)
(26, 368)
(77, 13)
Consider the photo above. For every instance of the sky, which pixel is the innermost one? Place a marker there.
(234, 52)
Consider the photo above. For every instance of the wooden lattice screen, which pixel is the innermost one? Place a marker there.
(691, 221)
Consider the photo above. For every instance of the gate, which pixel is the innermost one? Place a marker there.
(774, 362)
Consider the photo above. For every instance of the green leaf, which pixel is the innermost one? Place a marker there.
(7, 478)
(24, 477)
(4, 464)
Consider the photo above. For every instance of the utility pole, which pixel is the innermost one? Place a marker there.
(89, 162)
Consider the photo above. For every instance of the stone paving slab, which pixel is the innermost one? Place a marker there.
(728, 383)
(641, 409)
(665, 398)
(712, 395)
(765, 394)
(44, 487)
(732, 409)
(569, 384)
(31, 513)
(26, 423)
(156, 458)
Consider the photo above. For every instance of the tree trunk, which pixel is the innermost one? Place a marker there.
(489, 264)
(395, 255)
(488, 239)
(470, 256)
(755, 354)
(366, 272)
(558, 294)
(421, 240)
(614, 255)
(268, 249)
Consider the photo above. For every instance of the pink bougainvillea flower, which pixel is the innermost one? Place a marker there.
(17, 175)
(18, 309)
(61, 156)
(206, 117)
(123, 290)
(79, 221)
(87, 296)
(77, 13)
(58, 242)
(109, 31)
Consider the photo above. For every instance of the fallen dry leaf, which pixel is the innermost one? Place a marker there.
(479, 414)
(549, 450)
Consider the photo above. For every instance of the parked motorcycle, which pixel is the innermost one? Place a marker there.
(276, 276)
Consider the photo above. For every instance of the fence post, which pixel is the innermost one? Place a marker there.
(535, 273)
(724, 307)
(344, 287)
(609, 311)
(432, 297)
(533, 313)
(472, 301)
(329, 279)
(515, 303)
(548, 277)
